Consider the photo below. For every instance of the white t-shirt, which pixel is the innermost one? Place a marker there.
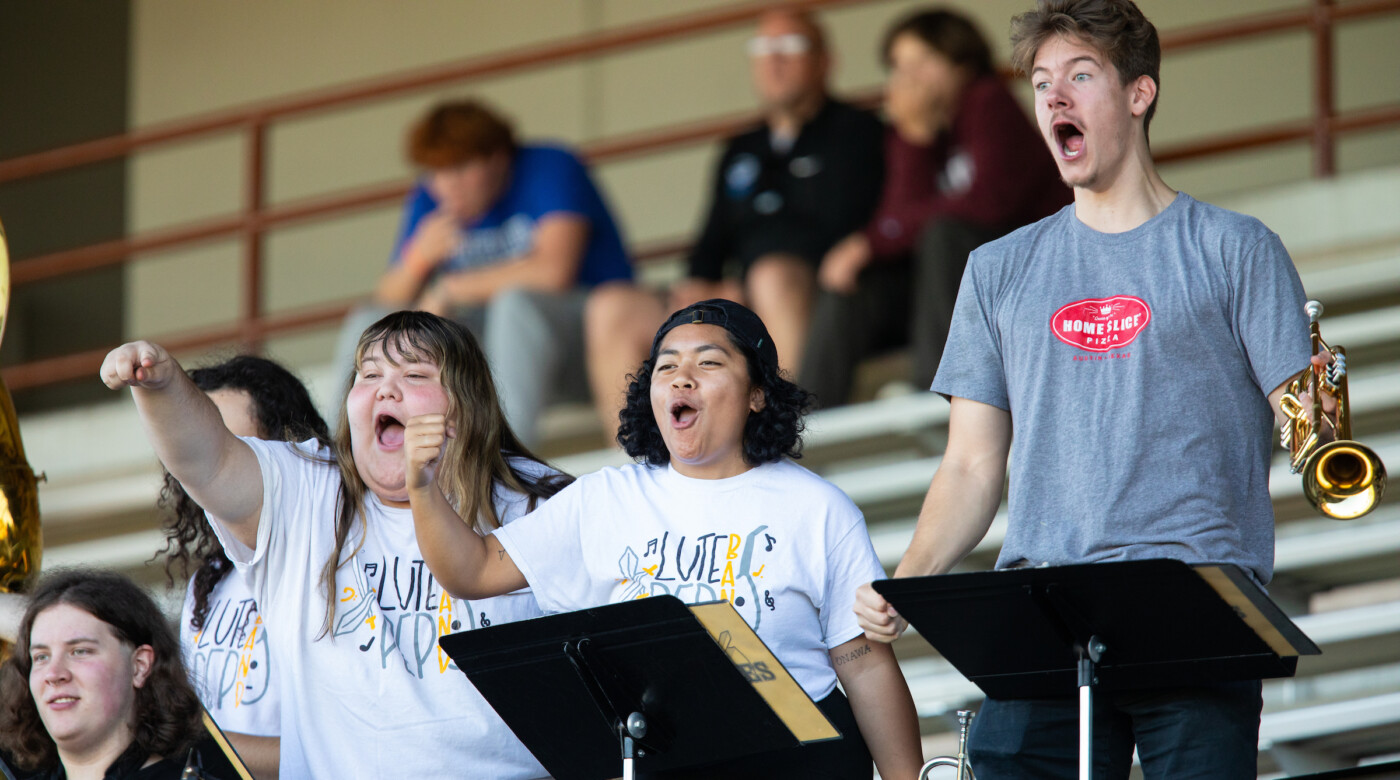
(229, 660)
(375, 697)
(785, 547)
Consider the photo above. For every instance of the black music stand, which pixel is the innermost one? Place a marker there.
(1038, 633)
(647, 680)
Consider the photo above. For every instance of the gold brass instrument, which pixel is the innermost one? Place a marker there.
(1342, 478)
(20, 540)
(960, 762)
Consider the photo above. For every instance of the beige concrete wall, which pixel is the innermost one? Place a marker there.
(190, 58)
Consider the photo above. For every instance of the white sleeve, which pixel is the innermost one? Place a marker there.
(547, 548)
(297, 496)
(851, 562)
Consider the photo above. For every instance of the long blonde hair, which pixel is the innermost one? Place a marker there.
(474, 461)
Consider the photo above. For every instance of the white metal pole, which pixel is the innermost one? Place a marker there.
(1086, 731)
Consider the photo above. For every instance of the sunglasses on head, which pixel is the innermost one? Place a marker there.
(768, 45)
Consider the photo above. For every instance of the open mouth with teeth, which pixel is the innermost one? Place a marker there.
(388, 431)
(1070, 139)
(682, 414)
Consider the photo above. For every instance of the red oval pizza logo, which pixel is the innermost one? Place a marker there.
(1101, 324)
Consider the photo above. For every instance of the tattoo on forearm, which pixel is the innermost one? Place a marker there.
(501, 554)
(853, 655)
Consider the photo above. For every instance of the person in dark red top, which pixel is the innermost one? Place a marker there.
(963, 165)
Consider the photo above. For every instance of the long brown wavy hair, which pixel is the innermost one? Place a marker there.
(473, 462)
(167, 716)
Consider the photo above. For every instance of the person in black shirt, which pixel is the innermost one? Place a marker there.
(783, 194)
(788, 190)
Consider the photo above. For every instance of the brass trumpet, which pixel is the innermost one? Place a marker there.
(958, 762)
(1342, 478)
(20, 540)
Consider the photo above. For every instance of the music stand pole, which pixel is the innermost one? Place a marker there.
(635, 728)
(1088, 659)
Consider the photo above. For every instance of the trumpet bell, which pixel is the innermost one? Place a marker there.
(1344, 479)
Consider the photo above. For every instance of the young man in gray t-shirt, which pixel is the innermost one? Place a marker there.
(1136, 345)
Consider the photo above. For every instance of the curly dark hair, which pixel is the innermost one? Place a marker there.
(167, 717)
(770, 434)
(283, 410)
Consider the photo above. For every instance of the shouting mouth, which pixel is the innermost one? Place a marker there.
(682, 414)
(1069, 139)
(388, 431)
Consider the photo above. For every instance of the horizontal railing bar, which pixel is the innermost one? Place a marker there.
(66, 368)
(1271, 22)
(119, 251)
(256, 116)
(599, 43)
(621, 147)
(604, 42)
(1231, 142)
(1366, 118)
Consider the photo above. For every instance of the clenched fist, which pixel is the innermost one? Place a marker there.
(876, 616)
(139, 364)
(424, 439)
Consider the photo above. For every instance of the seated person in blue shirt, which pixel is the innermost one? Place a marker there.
(508, 240)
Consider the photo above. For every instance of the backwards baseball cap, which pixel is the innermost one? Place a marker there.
(745, 326)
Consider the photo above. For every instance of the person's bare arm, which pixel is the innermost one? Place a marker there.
(551, 265)
(466, 564)
(260, 754)
(957, 511)
(219, 471)
(840, 268)
(432, 242)
(882, 705)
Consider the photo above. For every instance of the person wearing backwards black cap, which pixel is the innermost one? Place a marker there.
(715, 508)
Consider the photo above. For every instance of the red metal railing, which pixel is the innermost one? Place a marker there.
(257, 217)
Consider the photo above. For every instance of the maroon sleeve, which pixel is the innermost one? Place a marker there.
(1008, 162)
(911, 176)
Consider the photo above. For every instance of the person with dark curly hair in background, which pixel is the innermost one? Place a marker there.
(95, 687)
(221, 628)
(715, 509)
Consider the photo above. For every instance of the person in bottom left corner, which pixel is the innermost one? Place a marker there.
(94, 687)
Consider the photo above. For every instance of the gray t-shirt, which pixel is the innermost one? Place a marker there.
(1136, 367)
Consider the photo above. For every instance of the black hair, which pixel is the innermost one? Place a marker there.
(283, 411)
(770, 434)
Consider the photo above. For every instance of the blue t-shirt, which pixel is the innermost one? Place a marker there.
(543, 180)
(1136, 367)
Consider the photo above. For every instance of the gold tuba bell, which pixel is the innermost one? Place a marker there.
(1342, 478)
(20, 540)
